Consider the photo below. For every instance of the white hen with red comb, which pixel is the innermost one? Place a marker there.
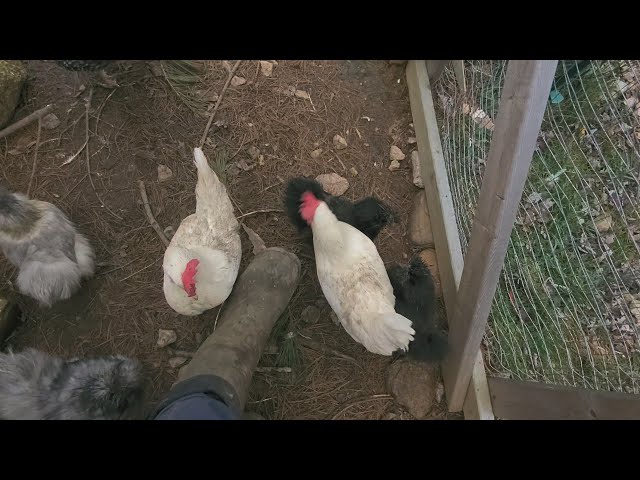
(354, 281)
(202, 261)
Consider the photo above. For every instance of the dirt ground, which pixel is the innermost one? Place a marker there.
(141, 124)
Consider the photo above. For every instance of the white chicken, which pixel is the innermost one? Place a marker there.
(202, 261)
(354, 281)
(39, 239)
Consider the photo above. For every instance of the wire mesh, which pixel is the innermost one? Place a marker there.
(567, 308)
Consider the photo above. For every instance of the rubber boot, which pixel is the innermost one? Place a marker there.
(259, 297)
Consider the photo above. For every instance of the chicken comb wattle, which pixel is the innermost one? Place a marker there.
(188, 277)
(309, 205)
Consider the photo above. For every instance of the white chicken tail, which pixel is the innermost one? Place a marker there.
(393, 333)
(202, 164)
(211, 194)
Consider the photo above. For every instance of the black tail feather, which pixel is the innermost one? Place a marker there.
(414, 290)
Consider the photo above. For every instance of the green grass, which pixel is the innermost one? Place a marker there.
(538, 331)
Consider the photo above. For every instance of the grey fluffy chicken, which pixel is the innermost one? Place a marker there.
(416, 300)
(43, 244)
(38, 386)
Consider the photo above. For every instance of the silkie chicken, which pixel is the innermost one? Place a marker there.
(90, 66)
(37, 386)
(38, 239)
(354, 280)
(415, 299)
(202, 261)
(368, 215)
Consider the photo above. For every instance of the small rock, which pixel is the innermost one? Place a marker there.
(334, 318)
(310, 315)
(166, 337)
(395, 165)
(333, 183)
(13, 75)
(414, 386)
(169, 232)
(164, 173)
(261, 160)
(353, 171)
(51, 121)
(411, 140)
(253, 152)
(604, 223)
(339, 142)
(266, 68)
(302, 94)
(396, 154)
(417, 172)
(155, 68)
(176, 362)
(430, 260)
(244, 165)
(237, 81)
(316, 153)
(420, 232)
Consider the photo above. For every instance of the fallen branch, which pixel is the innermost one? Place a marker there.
(215, 109)
(152, 220)
(268, 210)
(318, 347)
(35, 157)
(37, 115)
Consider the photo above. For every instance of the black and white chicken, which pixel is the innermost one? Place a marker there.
(368, 215)
(52, 258)
(38, 386)
(415, 295)
(91, 66)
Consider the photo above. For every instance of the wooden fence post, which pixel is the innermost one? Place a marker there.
(520, 112)
(443, 219)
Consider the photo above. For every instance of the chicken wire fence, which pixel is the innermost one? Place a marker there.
(567, 308)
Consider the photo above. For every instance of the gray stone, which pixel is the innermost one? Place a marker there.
(414, 386)
(13, 75)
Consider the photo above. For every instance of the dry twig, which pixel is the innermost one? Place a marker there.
(318, 347)
(35, 157)
(37, 115)
(152, 220)
(267, 210)
(215, 109)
